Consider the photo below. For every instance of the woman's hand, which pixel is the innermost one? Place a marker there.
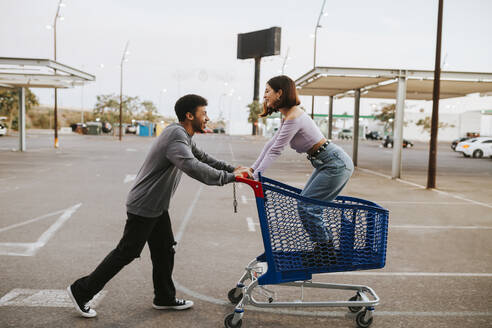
(240, 170)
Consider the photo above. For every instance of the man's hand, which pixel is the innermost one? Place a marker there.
(240, 170)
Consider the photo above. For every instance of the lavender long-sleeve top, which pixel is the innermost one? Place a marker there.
(302, 134)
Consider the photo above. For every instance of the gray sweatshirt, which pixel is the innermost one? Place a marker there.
(170, 155)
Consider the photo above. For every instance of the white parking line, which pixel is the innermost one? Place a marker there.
(30, 221)
(340, 314)
(415, 274)
(440, 227)
(30, 249)
(129, 178)
(422, 187)
(244, 200)
(232, 153)
(419, 203)
(213, 300)
(44, 298)
(251, 224)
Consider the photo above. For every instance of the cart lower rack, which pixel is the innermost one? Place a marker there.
(302, 237)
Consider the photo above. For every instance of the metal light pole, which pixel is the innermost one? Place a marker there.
(314, 55)
(160, 100)
(123, 59)
(60, 5)
(431, 174)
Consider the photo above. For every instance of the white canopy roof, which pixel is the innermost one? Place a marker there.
(382, 83)
(40, 73)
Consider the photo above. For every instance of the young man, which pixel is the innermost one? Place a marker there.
(147, 205)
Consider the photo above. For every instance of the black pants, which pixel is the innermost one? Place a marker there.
(157, 232)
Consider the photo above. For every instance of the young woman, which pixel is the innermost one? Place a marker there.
(332, 166)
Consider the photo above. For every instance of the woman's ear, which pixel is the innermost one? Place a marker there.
(280, 92)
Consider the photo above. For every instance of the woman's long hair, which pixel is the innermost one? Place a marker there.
(289, 97)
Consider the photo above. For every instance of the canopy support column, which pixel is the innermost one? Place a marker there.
(330, 118)
(398, 126)
(355, 135)
(21, 123)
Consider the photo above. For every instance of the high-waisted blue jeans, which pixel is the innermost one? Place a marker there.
(332, 170)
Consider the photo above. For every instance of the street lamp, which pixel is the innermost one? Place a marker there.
(57, 16)
(160, 100)
(123, 59)
(321, 13)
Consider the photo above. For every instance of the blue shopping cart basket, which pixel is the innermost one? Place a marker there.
(303, 236)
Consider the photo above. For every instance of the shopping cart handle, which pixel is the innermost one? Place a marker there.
(256, 185)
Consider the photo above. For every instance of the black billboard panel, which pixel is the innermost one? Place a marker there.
(259, 43)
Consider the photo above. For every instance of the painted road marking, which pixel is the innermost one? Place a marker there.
(232, 153)
(30, 249)
(422, 187)
(419, 203)
(251, 224)
(44, 298)
(243, 199)
(333, 313)
(213, 300)
(129, 178)
(131, 149)
(440, 227)
(187, 216)
(416, 274)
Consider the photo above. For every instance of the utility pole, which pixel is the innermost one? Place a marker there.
(314, 55)
(123, 58)
(55, 114)
(431, 174)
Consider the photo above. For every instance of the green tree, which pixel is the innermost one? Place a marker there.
(9, 104)
(425, 124)
(107, 108)
(255, 110)
(148, 111)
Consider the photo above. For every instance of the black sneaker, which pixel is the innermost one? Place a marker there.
(82, 308)
(178, 304)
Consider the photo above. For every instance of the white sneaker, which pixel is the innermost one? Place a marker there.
(83, 309)
(178, 304)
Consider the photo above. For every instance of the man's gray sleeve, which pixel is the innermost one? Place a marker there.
(206, 158)
(180, 154)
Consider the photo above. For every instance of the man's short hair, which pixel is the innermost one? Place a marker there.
(188, 104)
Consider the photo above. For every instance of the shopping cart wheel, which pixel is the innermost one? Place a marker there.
(228, 322)
(234, 299)
(354, 309)
(361, 321)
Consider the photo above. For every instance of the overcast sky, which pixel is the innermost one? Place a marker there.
(190, 46)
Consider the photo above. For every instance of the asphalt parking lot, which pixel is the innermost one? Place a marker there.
(63, 210)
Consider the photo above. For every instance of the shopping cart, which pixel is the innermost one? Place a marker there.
(357, 234)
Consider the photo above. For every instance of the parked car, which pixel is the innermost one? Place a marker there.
(345, 134)
(219, 130)
(488, 151)
(388, 142)
(107, 127)
(3, 129)
(475, 147)
(374, 135)
(457, 141)
(130, 128)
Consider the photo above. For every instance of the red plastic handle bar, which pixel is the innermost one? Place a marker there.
(256, 185)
